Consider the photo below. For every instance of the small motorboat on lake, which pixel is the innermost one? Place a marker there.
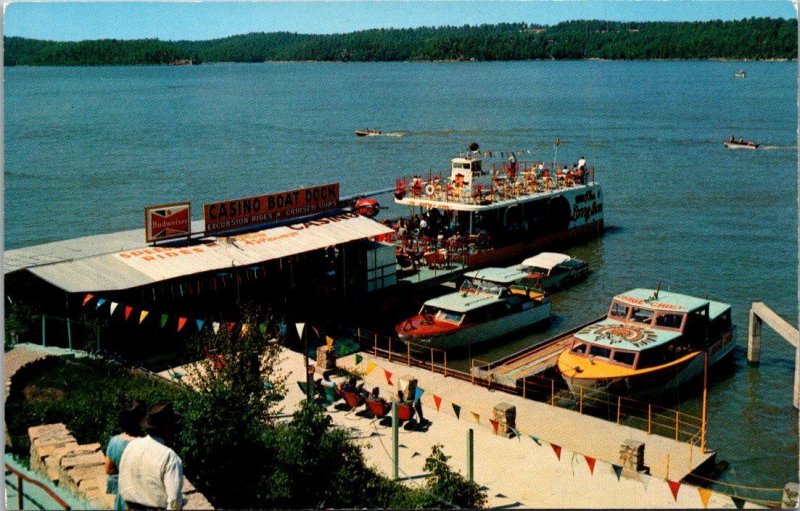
(491, 302)
(740, 145)
(649, 342)
(368, 133)
(740, 74)
(553, 270)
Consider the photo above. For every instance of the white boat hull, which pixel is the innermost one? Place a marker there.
(485, 331)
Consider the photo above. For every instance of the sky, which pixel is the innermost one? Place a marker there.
(75, 21)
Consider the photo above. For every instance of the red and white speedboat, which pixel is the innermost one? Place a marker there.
(490, 303)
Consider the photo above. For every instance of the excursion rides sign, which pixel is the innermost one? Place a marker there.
(263, 209)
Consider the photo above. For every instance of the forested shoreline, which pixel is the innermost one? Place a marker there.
(747, 39)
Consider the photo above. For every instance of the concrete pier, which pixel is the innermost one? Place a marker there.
(760, 314)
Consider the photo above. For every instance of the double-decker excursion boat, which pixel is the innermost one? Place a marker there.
(650, 341)
(482, 216)
(490, 303)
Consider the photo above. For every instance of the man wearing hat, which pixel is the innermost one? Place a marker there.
(150, 473)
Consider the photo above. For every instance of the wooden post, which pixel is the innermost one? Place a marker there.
(69, 334)
(649, 414)
(44, 337)
(408, 355)
(375, 349)
(754, 338)
(395, 443)
(20, 492)
(580, 402)
(677, 424)
(552, 392)
(619, 406)
(431, 359)
(705, 403)
(470, 456)
(389, 339)
(523, 388)
(445, 363)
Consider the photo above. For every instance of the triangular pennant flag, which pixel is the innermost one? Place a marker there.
(341, 351)
(316, 332)
(86, 298)
(100, 301)
(199, 324)
(328, 342)
(181, 322)
(437, 401)
(388, 376)
(245, 328)
(113, 308)
(557, 450)
(645, 480)
(143, 315)
(536, 440)
(359, 358)
(231, 324)
(128, 310)
(418, 394)
(262, 327)
(590, 461)
(164, 318)
(457, 410)
(300, 327)
(215, 326)
(705, 494)
(370, 367)
(495, 424)
(674, 486)
(738, 502)
(476, 417)
(617, 470)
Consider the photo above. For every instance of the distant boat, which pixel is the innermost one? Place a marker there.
(740, 74)
(367, 133)
(740, 145)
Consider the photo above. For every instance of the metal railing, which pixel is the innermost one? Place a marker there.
(22, 478)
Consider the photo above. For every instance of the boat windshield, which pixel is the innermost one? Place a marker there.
(618, 311)
(442, 314)
(481, 287)
(642, 315)
(669, 320)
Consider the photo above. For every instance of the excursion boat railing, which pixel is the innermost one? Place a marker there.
(498, 184)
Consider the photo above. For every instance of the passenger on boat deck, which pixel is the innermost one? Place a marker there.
(582, 163)
(731, 139)
(326, 380)
(740, 141)
(423, 226)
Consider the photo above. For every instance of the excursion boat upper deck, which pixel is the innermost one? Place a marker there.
(482, 215)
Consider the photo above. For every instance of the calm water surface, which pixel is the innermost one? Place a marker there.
(87, 148)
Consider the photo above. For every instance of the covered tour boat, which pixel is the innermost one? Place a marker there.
(484, 215)
(554, 271)
(650, 341)
(490, 303)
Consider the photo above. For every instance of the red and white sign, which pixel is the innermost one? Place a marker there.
(167, 221)
(265, 209)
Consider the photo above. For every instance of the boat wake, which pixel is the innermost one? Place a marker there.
(780, 147)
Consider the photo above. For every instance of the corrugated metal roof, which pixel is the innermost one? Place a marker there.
(138, 265)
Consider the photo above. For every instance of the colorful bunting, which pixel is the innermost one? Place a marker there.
(87, 298)
(437, 401)
(262, 327)
(617, 470)
(495, 425)
(143, 315)
(674, 486)
(557, 450)
(128, 310)
(536, 440)
(645, 480)
(113, 308)
(181, 322)
(476, 417)
(388, 376)
(328, 342)
(705, 494)
(418, 394)
(215, 326)
(245, 328)
(590, 461)
(100, 302)
(370, 367)
(164, 318)
(300, 327)
(231, 324)
(457, 410)
(199, 324)
(359, 358)
(738, 502)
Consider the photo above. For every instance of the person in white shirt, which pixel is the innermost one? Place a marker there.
(150, 473)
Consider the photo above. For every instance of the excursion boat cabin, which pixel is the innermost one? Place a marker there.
(489, 303)
(649, 338)
(553, 270)
(483, 214)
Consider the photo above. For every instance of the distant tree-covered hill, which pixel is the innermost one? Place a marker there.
(754, 38)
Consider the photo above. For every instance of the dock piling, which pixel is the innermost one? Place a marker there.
(759, 314)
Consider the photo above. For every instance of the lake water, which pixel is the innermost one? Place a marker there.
(87, 148)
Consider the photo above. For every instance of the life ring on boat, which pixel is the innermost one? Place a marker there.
(430, 189)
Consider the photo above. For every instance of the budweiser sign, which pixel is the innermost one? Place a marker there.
(264, 209)
(167, 221)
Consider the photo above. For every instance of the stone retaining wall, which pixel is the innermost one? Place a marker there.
(81, 468)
